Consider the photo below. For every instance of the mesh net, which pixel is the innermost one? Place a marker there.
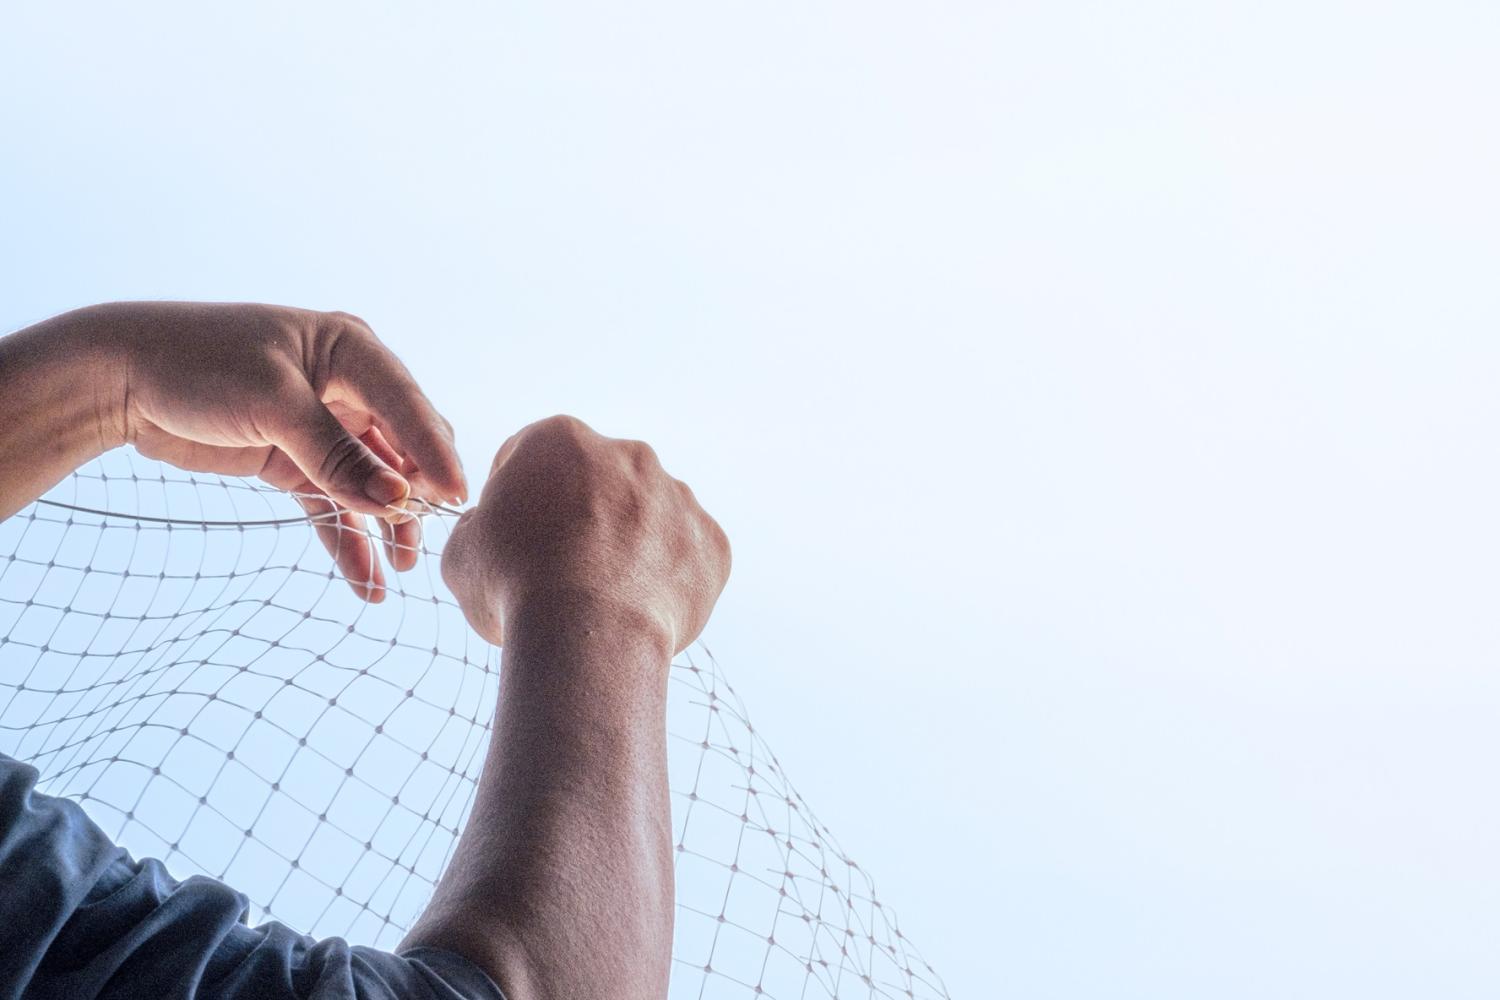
(180, 657)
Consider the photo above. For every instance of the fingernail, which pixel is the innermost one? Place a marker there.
(396, 514)
(386, 487)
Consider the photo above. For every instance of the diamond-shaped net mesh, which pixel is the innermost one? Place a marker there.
(178, 654)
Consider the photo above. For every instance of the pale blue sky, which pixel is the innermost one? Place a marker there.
(1101, 402)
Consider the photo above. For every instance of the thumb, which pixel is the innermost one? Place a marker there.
(336, 461)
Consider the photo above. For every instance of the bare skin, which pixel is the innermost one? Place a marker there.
(310, 402)
(593, 567)
(588, 562)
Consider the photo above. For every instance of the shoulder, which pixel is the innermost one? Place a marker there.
(51, 857)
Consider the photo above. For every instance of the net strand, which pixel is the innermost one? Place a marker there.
(180, 656)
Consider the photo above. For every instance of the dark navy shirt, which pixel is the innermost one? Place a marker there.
(80, 919)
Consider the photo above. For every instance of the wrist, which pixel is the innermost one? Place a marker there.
(73, 383)
(76, 373)
(544, 613)
(88, 343)
(61, 407)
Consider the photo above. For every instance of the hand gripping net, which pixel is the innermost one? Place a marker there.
(178, 655)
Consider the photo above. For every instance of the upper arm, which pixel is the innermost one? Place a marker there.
(79, 919)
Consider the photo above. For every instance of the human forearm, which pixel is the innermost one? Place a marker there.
(591, 567)
(561, 885)
(59, 406)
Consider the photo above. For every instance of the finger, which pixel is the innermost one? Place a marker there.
(406, 543)
(402, 533)
(387, 539)
(279, 469)
(376, 442)
(342, 533)
(509, 445)
(403, 542)
(382, 449)
(401, 552)
(338, 463)
(366, 369)
(282, 473)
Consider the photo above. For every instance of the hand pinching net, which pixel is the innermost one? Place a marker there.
(178, 654)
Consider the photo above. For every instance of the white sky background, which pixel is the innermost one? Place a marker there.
(1101, 403)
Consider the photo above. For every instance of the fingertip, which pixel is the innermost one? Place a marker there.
(387, 487)
(370, 591)
(409, 545)
(430, 461)
(433, 495)
(449, 483)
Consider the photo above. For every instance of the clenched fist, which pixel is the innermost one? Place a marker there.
(572, 519)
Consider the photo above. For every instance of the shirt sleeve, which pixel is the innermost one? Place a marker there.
(81, 920)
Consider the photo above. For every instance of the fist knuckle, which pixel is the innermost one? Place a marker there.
(503, 453)
(726, 552)
(561, 434)
(686, 493)
(351, 322)
(717, 532)
(642, 456)
(716, 541)
(562, 424)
